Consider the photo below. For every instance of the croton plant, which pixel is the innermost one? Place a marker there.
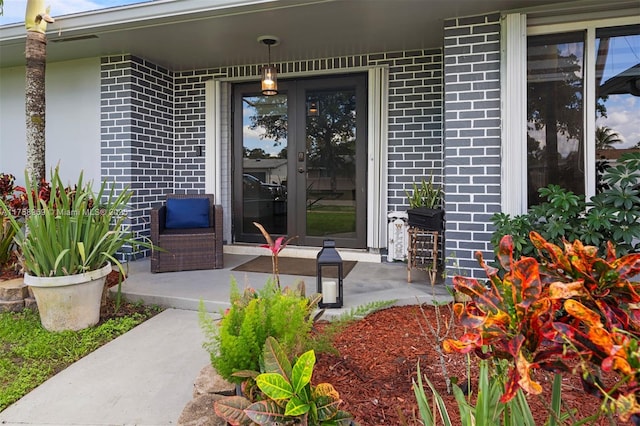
(571, 308)
(15, 198)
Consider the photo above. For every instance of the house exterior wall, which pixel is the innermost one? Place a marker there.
(415, 117)
(415, 121)
(72, 117)
(190, 110)
(134, 152)
(137, 140)
(472, 143)
(152, 125)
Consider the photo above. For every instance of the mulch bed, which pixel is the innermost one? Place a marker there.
(378, 358)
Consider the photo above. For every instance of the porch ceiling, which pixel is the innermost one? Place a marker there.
(198, 34)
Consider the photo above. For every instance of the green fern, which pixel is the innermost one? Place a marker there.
(236, 343)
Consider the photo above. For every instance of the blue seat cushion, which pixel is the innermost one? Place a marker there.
(187, 213)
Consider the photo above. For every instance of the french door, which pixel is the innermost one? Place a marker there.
(300, 161)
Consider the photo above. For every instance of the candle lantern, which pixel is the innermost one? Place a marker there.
(329, 273)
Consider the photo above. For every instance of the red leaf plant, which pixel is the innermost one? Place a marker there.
(16, 199)
(574, 305)
(276, 247)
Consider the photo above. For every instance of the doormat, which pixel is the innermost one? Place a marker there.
(290, 266)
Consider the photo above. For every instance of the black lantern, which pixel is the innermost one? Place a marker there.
(329, 273)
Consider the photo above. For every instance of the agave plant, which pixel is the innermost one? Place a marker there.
(71, 230)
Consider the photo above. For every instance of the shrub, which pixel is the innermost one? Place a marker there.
(611, 215)
(71, 230)
(14, 197)
(286, 394)
(237, 343)
(572, 305)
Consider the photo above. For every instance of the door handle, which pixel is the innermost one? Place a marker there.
(301, 170)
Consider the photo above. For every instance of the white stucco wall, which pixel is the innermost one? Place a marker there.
(72, 120)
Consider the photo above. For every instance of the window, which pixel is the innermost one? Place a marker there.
(617, 82)
(555, 95)
(583, 100)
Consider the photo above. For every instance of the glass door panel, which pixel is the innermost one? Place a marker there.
(331, 163)
(300, 161)
(264, 163)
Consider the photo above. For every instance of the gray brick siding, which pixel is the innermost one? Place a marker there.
(472, 139)
(415, 115)
(190, 130)
(153, 123)
(415, 121)
(137, 133)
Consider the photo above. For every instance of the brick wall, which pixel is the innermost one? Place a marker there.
(415, 121)
(190, 130)
(472, 138)
(415, 115)
(172, 150)
(137, 133)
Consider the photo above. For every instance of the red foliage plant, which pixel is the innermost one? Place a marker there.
(15, 197)
(573, 305)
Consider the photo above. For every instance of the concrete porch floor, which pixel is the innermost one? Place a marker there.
(367, 282)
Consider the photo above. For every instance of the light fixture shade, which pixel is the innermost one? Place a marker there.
(312, 109)
(269, 80)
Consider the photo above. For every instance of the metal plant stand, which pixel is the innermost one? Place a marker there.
(423, 252)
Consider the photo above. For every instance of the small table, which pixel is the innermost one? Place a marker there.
(423, 252)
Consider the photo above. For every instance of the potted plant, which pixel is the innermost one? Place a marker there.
(67, 245)
(426, 206)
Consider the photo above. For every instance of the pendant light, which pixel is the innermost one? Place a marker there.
(269, 72)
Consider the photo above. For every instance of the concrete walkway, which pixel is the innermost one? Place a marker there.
(146, 376)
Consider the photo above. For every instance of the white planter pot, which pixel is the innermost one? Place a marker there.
(71, 302)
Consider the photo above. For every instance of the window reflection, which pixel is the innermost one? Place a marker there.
(555, 139)
(264, 162)
(617, 95)
(331, 149)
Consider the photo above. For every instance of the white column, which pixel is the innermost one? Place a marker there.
(377, 157)
(513, 62)
(213, 140)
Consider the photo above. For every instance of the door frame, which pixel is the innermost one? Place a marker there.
(296, 219)
(359, 84)
(218, 146)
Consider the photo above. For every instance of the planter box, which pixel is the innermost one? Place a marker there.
(426, 218)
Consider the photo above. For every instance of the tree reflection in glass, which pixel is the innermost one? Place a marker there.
(555, 140)
(331, 149)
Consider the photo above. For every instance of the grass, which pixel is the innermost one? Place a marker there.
(326, 220)
(29, 354)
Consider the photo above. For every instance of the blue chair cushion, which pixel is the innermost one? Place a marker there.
(187, 213)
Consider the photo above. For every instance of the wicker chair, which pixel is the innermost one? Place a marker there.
(187, 249)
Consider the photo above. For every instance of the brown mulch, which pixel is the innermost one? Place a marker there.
(10, 269)
(378, 358)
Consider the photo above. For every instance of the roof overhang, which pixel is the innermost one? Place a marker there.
(197, 34)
